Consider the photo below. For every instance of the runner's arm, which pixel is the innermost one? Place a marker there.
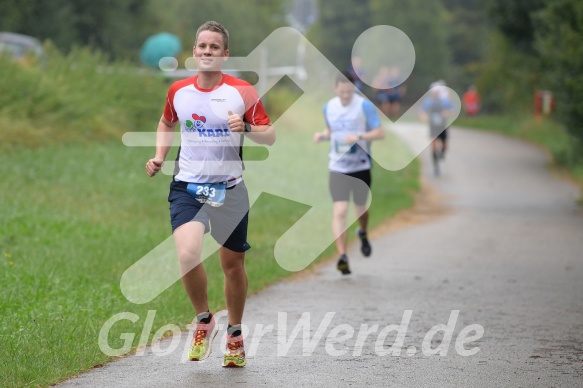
(373, 122)
(262, 134)
(423, 111)
(374, 134)
(322, 136)
(449, 111)
(423, 116)
(377, 133)
(164, 139)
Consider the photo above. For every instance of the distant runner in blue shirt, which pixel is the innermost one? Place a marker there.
(435, 111)
(352, 123)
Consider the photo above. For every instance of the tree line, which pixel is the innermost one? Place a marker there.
(537, 44)
(120, 27)
(507, 47)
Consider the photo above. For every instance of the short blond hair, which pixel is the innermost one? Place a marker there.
(215, 27)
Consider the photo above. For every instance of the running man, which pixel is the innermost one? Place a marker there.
(435, 111)
(207, 193)
(352, 123)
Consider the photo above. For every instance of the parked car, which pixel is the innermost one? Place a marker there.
(20, 47)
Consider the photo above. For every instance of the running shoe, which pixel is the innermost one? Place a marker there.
(235, 353)
(202, 339)
(365, 247)
(342, 265)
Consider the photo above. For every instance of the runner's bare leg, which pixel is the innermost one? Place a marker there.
(362, 215)
(339, 214)
(188, 238)
(233, 264)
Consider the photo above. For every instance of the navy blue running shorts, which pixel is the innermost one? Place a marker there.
(227, 223)
(341, 185)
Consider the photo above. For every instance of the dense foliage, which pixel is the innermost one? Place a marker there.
(119, 27)
(78, 97)
(536, 45)
(509, 48)
(559, 40)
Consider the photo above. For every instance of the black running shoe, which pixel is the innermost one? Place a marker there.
(342, 265)
(365, 247)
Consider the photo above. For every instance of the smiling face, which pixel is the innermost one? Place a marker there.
(344, 90)
(209, 51)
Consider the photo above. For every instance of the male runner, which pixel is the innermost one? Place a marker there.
(351, 124)
(207, 191)
(435, 110)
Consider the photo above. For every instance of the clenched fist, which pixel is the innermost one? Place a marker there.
(153, 166)
(235, 122)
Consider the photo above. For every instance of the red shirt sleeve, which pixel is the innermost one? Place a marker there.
(255, 113)
(169, 111)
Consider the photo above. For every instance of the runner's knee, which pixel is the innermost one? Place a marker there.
(232, 262)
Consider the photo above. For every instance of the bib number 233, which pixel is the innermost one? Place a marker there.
(211, 193)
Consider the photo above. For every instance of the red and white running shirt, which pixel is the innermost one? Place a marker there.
(209, 152)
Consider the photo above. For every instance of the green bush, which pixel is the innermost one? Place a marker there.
(79, 97)
(508, 78)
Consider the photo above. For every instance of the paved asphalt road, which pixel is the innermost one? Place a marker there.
(502, 252)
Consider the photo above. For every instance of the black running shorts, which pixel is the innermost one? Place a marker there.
(341, 185)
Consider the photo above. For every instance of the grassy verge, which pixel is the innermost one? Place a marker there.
(545, 133)
(78, 98)
(76, 216)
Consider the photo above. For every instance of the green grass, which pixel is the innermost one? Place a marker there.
(543, 132)
(78, 98)
(76, 215)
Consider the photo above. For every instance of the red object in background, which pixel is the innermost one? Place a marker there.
(544, 102)
(471, 101)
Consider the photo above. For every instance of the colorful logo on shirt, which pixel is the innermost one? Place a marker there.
(198, 123)
(198, 126)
